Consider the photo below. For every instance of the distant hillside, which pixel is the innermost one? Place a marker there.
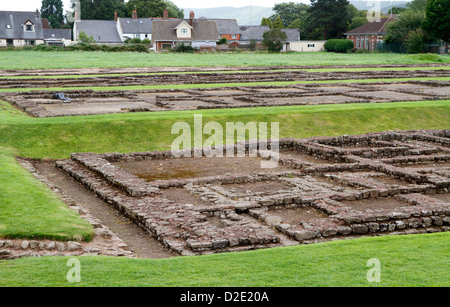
(252, 15)
(248, 15)
(384, 5)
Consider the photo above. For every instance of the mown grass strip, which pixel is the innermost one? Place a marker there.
(413, 260)
(216, 85)
(29, 210)
(229, 72)
(58, 137)
(79, 59)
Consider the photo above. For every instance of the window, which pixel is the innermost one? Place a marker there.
(166, 46)
(8, 26)
(184, 31)
(311, 45)
(29, 28)
(357, 42)
(234, 36)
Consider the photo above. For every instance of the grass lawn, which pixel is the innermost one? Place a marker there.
(77, 59)
(28, 209)
(57, 138)
(215, 85)
(413, 260)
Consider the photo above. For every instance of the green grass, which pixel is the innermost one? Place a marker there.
(58, 137)
(414, 68)
(28, 209)
(414, 260)
(215, 85)
(59, 60)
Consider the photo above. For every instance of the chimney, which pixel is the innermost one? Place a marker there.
(38, 14)
(77, 16)
(191, 17)
(115, 16)
(166, 15)
(135, 15)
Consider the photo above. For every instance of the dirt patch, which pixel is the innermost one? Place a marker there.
(295, 216)
(188, 168)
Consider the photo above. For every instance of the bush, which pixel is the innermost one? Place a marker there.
(339, 45)
(363, 50)
(222, 41)
(415, 41)
(182, 48)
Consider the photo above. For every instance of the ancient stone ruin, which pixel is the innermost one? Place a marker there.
(324, 188)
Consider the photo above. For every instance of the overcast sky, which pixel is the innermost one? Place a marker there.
(31, 5)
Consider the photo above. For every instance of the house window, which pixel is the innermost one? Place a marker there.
(357, 42)
(29, 28)
(8, 26)
(234, 36)
(166, 46)
(311, 45)
(184, 31)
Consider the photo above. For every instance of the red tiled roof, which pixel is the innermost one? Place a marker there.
(372, 27)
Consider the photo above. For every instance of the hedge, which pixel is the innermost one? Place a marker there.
(339, 45)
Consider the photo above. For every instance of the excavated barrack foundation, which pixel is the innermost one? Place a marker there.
(323, 188)
(88, 102)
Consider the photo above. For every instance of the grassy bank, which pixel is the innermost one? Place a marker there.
(58, 137)
(28, 209)
(414, 260)
(59, 60)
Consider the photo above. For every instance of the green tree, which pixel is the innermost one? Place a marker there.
(408, 21)
(102, 9)
(149, 8)
(274, 39)
(289, 12)
(331, 17)
(437, 20)
(266, 22)
(356, 17)
(174, 11)
(84, 38)
(53, 11)
(418, 5)
(415, 41)
(278, 23)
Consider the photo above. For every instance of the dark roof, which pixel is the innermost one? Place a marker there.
(103, 31)
(293, 35)
(377, 27)
(16, 20)
(203, 30)
(253, 32)
(256, 32)
(58, 34)
(227, 26)
(136, 26)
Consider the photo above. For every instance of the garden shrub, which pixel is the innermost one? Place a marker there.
(339, 45)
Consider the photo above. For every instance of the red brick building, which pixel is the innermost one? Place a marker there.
(368, 35)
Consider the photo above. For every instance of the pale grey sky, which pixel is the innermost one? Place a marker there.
(31, 5)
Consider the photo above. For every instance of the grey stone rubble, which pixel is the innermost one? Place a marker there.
(345, 186)
(89, 102)
(105, 242)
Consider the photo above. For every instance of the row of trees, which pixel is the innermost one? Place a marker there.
(420, 22)
(323, 19)
(105, 9)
